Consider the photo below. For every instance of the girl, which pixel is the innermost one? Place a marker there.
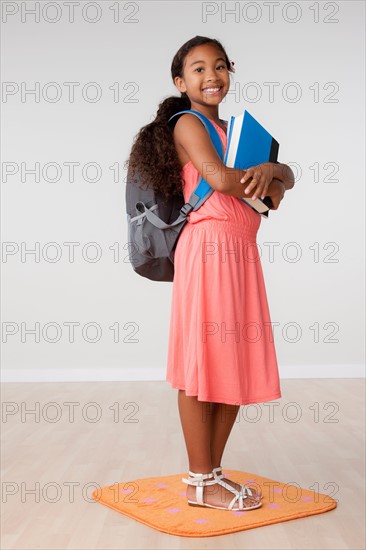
(221, 352)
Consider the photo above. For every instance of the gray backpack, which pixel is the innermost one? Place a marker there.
(154, 225)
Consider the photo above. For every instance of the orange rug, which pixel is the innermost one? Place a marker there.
(161, 503)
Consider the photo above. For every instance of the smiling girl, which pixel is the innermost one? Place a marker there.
(221, 351)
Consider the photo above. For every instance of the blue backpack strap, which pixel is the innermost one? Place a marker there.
(203, 190)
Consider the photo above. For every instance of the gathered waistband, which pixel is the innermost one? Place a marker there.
(227, 226)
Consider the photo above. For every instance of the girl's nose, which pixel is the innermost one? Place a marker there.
(210, 79)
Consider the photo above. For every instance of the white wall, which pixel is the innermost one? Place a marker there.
(324, 218)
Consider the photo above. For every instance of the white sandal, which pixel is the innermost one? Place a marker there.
(246, 488)
(202, 480)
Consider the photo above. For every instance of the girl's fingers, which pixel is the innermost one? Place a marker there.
(262, 189)
(256, 194)
(251, 173)
(251, 186)
(259, 189)
(248, 174)
(264, 192)
(259, 181)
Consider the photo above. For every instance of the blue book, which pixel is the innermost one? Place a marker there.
(250, 144)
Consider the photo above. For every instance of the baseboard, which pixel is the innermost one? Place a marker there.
(120, 374)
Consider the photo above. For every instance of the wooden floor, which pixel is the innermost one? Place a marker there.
(85, 435)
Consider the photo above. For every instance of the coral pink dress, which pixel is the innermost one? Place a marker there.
(221, 346)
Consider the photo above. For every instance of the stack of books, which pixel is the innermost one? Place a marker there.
(250, 144)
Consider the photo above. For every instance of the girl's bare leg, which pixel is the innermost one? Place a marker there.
(223, 418)
(198, 426)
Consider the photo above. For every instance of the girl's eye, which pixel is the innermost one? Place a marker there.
(201, 68)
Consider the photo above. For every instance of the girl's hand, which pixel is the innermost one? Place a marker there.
(276, 190)
(261, 175)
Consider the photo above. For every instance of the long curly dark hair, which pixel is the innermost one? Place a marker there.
(155, 140)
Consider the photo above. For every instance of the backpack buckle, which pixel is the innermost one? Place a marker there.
(186, 208)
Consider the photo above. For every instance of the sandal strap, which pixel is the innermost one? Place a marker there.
(203, 476)
(239, 495)
(223, 483)
(240, 498)
(246, 489)
(199, 481)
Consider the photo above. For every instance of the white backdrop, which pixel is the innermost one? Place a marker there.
(77, 85)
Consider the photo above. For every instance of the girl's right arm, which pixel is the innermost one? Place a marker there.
(195, 140)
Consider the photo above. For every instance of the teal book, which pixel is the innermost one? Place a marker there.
(249, 144)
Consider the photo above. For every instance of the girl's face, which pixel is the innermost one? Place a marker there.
(206, 78)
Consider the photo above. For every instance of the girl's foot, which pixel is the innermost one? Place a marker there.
(216, 495)
(237, 486)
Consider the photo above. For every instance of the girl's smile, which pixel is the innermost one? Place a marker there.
(212, 90)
